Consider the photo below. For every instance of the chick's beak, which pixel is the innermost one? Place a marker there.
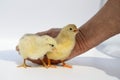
(54, 49)
(76, 30)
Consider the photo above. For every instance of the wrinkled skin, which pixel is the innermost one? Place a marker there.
(105, 24)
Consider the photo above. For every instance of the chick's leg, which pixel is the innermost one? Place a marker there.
(49, 64)
(66, 65)
(24, 64)
(44, 64)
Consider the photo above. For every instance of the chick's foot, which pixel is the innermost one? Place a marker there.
(24, 65)
(66, 65)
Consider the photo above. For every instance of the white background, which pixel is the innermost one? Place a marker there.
(18, 17)
(22, 16)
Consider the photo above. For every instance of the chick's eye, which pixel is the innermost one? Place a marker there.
(70, 28)
(52, 45)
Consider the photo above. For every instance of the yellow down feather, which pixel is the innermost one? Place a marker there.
(65, 43)
(35, 47)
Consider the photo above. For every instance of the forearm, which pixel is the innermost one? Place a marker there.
(105, 24)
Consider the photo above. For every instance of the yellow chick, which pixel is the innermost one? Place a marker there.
(35, 47)
(65, 44)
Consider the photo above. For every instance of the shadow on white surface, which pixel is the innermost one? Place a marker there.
(13, 56)
(109, 66)
(10, 55)
(111, 49)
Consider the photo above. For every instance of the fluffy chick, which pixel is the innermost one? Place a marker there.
(35, 47)
(65, 44)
